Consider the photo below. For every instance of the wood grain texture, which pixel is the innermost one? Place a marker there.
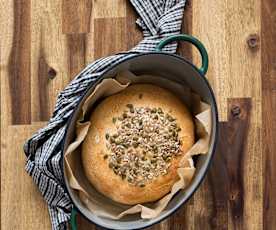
(218, 179)
(109, 36)
(235, 66)
(184, 49)
(6, 38)
(43, 72)
(133, 32)
(46, 43)
(49, 51)
(268, 35)
(109, 8)
(19, 64)
(22, 206)
(76, 53)
(76, 16)
(235, 152)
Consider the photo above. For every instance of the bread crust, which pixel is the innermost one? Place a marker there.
(94, 146)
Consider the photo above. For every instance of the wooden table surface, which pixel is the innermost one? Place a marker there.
(44, 43)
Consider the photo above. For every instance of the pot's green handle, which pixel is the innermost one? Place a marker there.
(188, 38)
(73, 219)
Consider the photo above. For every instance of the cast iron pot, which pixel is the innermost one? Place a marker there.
(172, 67)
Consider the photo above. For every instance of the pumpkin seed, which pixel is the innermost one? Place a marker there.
(135, 144)
(142, 185)
(130, 106)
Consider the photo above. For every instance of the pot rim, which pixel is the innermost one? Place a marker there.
(215, 128)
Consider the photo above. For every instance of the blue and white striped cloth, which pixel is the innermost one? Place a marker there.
(158, 19)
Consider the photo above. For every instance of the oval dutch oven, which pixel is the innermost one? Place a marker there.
(172, 67)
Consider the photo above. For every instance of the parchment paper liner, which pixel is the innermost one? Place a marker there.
(105, 207)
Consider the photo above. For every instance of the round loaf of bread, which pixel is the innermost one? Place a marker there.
(135, 142)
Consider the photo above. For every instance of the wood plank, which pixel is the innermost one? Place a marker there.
(160, 226)
(84, 224)
(182, 219)
(76, 44)
(109, 8)
(269, 160)
(19, 64)
(241, 26)
(89, 41)
(223, 188)
(218, 183)
(6, 38)
(268, 35)
(20, 198)
(109, 36)
(133, 32)
(45, 73)
(76, 16)
(185, 49)
(101, 10)
(235, 152)
(49, 62)
(212, 31)
(232, 63)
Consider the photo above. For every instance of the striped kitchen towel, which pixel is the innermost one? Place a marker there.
(157, 19)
